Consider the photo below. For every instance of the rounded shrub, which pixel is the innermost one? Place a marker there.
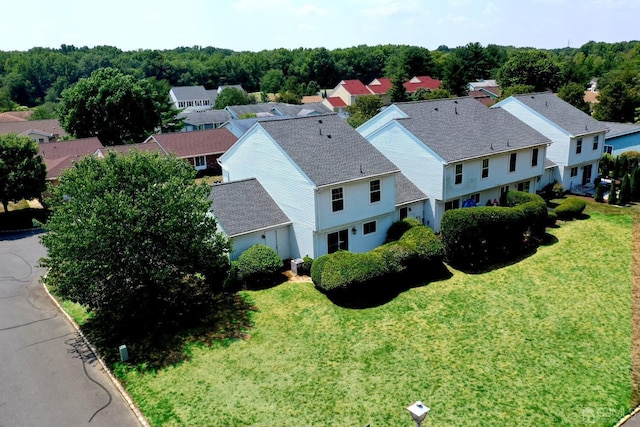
(570, 208)
(259, 266)
(423, 247)
(398, 228)
(345, 270)
(316, 269)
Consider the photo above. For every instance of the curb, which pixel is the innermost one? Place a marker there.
(627, 417)
(125, 395)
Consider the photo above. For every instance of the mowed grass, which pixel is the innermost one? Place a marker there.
(542, 342)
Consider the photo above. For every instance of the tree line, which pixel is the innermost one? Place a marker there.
(40, 75)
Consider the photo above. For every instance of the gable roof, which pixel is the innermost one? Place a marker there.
(335, 101)
(561, 113)
(234, 206)
(15, 116)
(620, 129)
(354, 87)
(380, 86)
(60, 155)
(407, 191)
(196, 143)
(197, 118)
(186, 93)
(327, 149)
(48, 127)
(462, 128)
(425, 82)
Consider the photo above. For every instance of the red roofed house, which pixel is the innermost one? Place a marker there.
(201, 148)
(61, 155)
(334, 103)
(40, 131)
(349, 90)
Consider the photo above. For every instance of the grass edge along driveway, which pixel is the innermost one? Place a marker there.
(545, 341)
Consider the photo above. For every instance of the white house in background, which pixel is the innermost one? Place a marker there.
(457, 151)
(193, 98)
(337, 190)
(578, 139)
(249, 216)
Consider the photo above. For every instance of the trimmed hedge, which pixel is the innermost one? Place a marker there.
(259, 266)
(570, 208)
(398, 228)
(476, 237)
(342, 270)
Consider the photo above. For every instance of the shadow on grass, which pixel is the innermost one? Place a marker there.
(228, 319)
(379, 293)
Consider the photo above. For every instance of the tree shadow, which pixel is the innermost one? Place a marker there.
(18, 235)
(374, 294)
(228, 319)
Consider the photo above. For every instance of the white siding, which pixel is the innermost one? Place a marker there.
(414, 210)
(256, 155)
(381, 119)
(277, 239)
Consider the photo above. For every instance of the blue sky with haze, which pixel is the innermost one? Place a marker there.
(258, 24)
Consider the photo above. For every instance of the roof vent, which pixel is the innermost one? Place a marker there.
(456, 109)
(455, 101)
(436, 108)
(491, 145)
(508, 145)
(320, 121)
(329, 136)
(545, 104)
(586, 127)
(320, 130)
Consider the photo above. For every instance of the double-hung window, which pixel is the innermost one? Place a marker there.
(579, 146)
(512, 162)
(374, 191)
(458, 178)
(596, 140)
(337, 200)
(485, 168)
(534, 158)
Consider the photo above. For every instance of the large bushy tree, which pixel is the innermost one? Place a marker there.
(113, 106)
(573, 93)
(22, 170)
(131, 238)
(364, 108)
(532, 67)
(233, 96)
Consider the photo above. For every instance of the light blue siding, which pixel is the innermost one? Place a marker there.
(277, 239)
(385, 116)
(622, 144)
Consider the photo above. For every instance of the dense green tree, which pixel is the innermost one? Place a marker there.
(532, 67)
(599, 193)
(613, 194)
(272, 81)
(110, 105)
(364, 108)
(516, 90)
(573, 93)
(132, 239)
(616, 102)
(288, 97)
(398, 92)
(635, 184)
(22, 170)
(46, 111)
(233, 96)
(6, 104)
(422, 94)
(625, 191)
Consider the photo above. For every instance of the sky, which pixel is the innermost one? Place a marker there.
(254, 25)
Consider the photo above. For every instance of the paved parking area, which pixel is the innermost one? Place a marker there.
(48, 375)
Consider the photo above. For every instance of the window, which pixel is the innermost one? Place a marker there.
(369, 227)
(458, 174)
(40, 139)
(475, 197)
(200, 162)
(574, 171)
(504, 189)
(374, 191)
(534, 158)
(338, 241)
(596, 140)
(454, 204)
(404, 212)
(512, 162)
(524, 186)
(337, 200)
(485, 168)
(579, 146)
(608, 149)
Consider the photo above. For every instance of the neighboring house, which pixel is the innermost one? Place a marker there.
(578, 139)
(485, 91)
(15, 116)
(41, 131)
(238, 127)
(335, 104)
(201, 120)
(337, 190)
(489, 85)
(349, 90)
(622, 137)
(200, 148)
(192, 97)
(248, 216)
(457, 151)
(271, 109)
(59, 156)
(381, 86)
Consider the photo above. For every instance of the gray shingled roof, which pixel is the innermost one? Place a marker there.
(244, 206)
(205, 117)
(620, 129)
(406, 191)
(561, 113)
(185, 93)
(327, 149)
(463, 128)
(302, 110)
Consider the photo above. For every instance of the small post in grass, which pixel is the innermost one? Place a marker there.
(418, 412)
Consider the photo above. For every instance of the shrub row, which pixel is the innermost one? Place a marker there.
(417, 247)
(476, 237)
(570, 208)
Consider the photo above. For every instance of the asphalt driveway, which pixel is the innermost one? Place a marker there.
(48, 376)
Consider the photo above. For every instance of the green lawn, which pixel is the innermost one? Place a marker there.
(543, 342)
